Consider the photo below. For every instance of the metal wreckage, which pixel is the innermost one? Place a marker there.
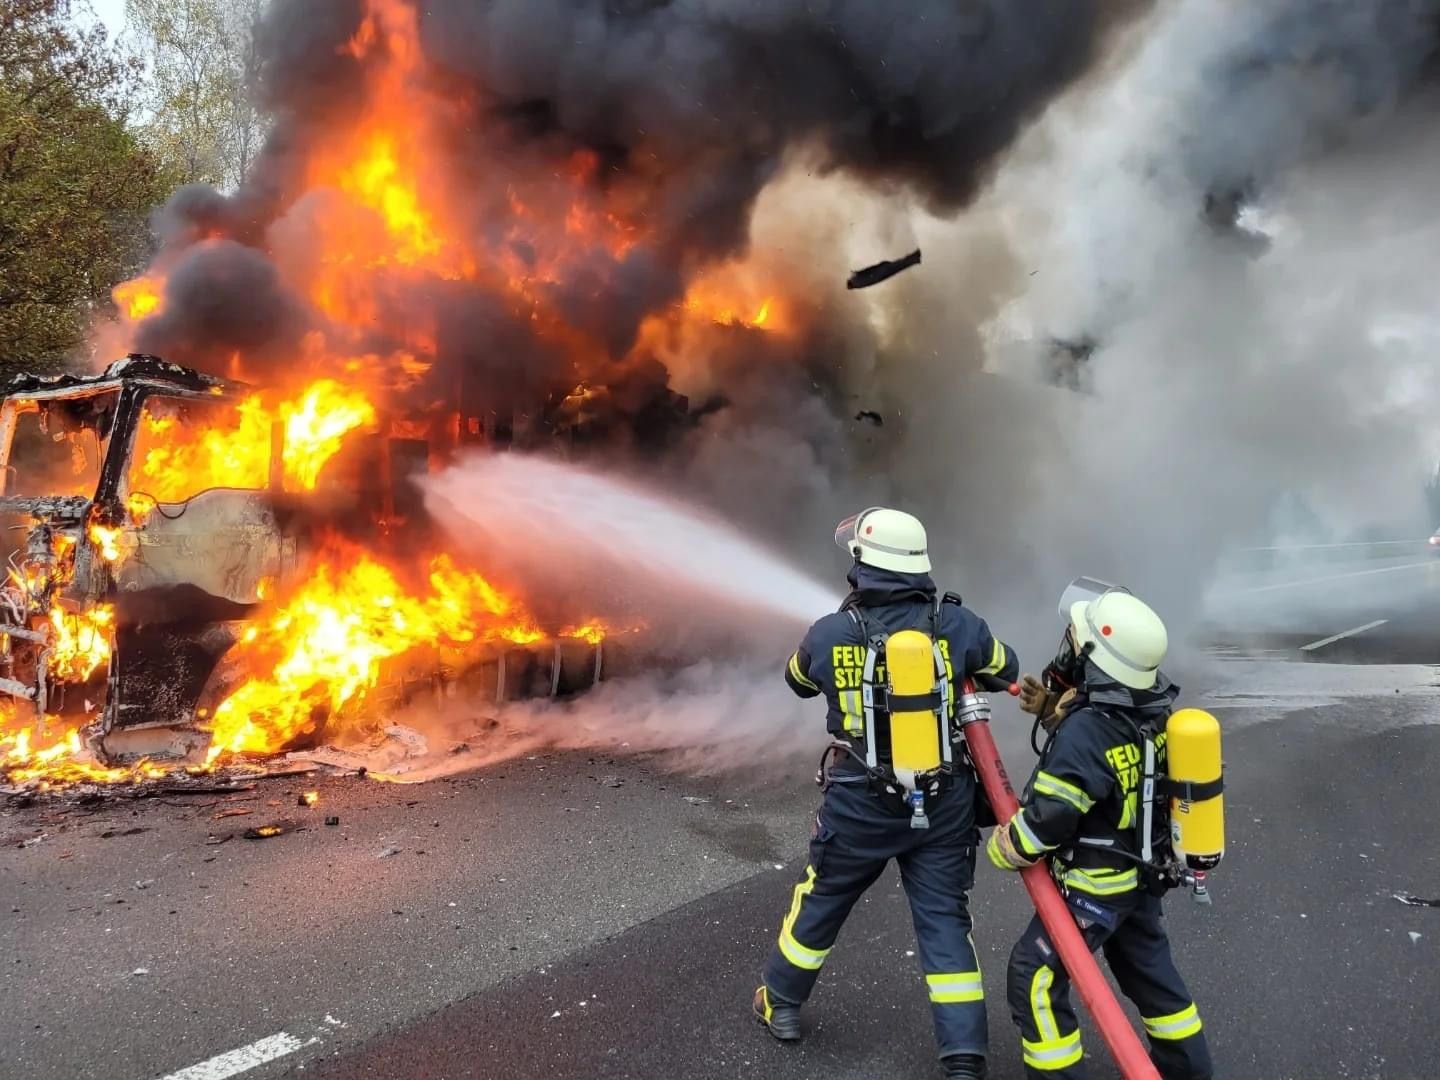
(171, 582)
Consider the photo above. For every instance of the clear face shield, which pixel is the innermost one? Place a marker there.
(847, 533)
(1066, 671)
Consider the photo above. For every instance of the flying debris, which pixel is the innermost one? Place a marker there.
(882, 271)
(872, 416)
(1416, 901)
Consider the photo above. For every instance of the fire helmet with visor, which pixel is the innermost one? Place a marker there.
(1118, 632)
(885, 538)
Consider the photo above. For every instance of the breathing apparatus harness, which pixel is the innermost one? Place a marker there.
(1159, 867)
(880, 703)
(1186, 812)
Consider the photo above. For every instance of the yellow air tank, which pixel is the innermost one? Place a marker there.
(1197, 823)
(914, 733)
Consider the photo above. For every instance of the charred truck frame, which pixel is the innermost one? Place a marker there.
(173, 588)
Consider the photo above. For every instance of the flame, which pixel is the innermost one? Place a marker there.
(140, 297)
(173, 462)
(80, 641)
(107, 541)
(59, 762)
(591, 633)
(323, 648)
(376, 203)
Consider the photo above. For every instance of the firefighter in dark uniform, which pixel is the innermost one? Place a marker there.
(1079, 812)
(871, 813)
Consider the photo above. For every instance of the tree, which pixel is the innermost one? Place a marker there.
(76, 188)
(201, 119)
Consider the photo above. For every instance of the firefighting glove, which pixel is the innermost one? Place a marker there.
(1062, 706)
(1048, 705)
(1003, 852)
(1033, 696)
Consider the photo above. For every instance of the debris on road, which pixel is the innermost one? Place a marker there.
(235, 812)
(388, 852)
(308, 798)
(694, 800)
(264, 832)
(332, 820)
(1414, 937)
(191, 789)
(1416, 901)
(872, 416)
(32, 841)
(882, 271)
(111, 833)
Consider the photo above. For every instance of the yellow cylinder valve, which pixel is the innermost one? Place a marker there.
(914, 733)
(1197, 807)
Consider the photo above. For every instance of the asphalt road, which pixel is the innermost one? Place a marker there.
(573, 915)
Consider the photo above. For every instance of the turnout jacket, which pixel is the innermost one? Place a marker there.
(831, 658)
(1088, 784)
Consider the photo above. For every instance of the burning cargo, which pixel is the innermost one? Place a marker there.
(205, 567)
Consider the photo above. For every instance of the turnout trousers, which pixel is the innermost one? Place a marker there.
(853, 839)
(1130, 930)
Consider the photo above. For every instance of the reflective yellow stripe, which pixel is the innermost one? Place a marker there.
(997, 659)
(1101, 882)
(1046, 784)
(1029, 842)
(1052, 1055)
(797, 954)
(996, 855)
(1040, 1004)
(852, 711)
(798, 675)
(949, 987)
(1180, 1025)
(1127, 815)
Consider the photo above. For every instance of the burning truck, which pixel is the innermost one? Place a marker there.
(456, 233)
(198, 572)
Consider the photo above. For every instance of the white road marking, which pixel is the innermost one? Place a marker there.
(1331, 577)
(242, 1060)
(1342, 635)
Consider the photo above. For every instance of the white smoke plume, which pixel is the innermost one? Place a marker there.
(1229, 224)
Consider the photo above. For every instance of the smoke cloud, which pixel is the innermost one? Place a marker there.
(1174, 297)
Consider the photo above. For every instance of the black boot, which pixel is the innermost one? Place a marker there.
(780, 1017)
(964, 1067)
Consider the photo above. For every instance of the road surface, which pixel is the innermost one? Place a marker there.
(578, 915)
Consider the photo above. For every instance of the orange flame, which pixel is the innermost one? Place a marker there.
(80, 641)
(324, 647)
(140, 297)
(60, 762)
(173, 462)
(107, 541)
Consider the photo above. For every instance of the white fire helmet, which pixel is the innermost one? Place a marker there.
(888, 539)
(1127, 639)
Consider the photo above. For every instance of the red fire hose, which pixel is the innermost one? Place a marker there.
(1119, 1036)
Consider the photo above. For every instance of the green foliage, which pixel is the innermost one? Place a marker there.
(200, 117)
(76, 187)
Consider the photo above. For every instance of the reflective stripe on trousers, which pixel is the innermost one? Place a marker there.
(1138, 953)
(855, 838)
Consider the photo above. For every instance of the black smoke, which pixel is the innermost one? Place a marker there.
(688, 111)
